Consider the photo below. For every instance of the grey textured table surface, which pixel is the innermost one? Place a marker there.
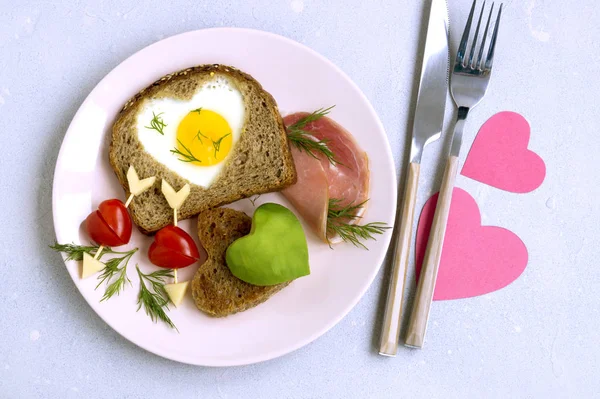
(537, 337)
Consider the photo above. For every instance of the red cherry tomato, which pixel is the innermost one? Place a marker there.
(173, 248)
(110, 225)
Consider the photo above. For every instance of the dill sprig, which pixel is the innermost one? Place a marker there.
(186, 156)
(217, 144)
(199, 136)
(157, 123)
(155, 299)
(304, 141)
(253, 199)
(198, 110)
(111, 270)
(338, 222)
(316, 115)
(75, 252)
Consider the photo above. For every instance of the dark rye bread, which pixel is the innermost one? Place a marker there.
(260, 162)
(215, 290)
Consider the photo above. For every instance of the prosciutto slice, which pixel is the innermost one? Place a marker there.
(346, 181)
(310, 195)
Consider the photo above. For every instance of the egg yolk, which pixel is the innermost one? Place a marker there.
(204, 138)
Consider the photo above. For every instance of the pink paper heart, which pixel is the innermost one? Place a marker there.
(499, 156)
(475, 259)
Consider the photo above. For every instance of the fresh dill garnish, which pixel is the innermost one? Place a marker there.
(253, 199)
(111, 270)
(198, 110)
(157, 123)
(304, 141)
(155, 299)
(199, 136)
(316, 115)
(338, 222)
(217, 144)
(186, 156)
(75, 252)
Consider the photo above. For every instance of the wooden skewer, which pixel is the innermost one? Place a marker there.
(175, 200)
(129, 200)
(175, 223)
(98, 252)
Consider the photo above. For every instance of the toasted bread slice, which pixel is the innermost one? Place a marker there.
(260, 162)
(215, 290)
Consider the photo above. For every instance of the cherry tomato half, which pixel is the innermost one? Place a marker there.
(110, 225)
(173, 248)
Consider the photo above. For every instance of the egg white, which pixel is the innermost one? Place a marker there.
(217, 95)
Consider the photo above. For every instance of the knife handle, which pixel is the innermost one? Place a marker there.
(417, 324)
(401, 241)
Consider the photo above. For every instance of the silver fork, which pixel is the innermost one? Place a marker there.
(468, 85)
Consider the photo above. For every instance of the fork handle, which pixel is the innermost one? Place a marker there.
(417, 324)
(390, 331)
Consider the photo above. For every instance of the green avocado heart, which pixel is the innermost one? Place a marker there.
(275, 250)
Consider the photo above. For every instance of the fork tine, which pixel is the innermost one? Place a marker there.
(462, 48)
(474, 45)
(490, 56)
(479, 63)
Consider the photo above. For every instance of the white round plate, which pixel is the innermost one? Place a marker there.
(300, 80)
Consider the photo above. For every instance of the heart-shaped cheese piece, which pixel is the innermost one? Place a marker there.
(90, 265)
(137, 186)
(175, 198)
(176, 292)
(275, 250)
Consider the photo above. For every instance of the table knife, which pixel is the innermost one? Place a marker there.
(427, 128)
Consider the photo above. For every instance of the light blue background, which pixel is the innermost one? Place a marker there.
(536, 338)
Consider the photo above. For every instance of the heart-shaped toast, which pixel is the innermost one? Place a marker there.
(216, 291)
(275, 250)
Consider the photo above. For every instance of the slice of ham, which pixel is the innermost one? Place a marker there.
(310, 195)
(347, 181)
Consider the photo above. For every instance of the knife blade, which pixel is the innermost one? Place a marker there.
(433, 85)
(427, 128)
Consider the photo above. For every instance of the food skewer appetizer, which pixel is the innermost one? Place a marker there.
(110, 225)
(173, 248)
